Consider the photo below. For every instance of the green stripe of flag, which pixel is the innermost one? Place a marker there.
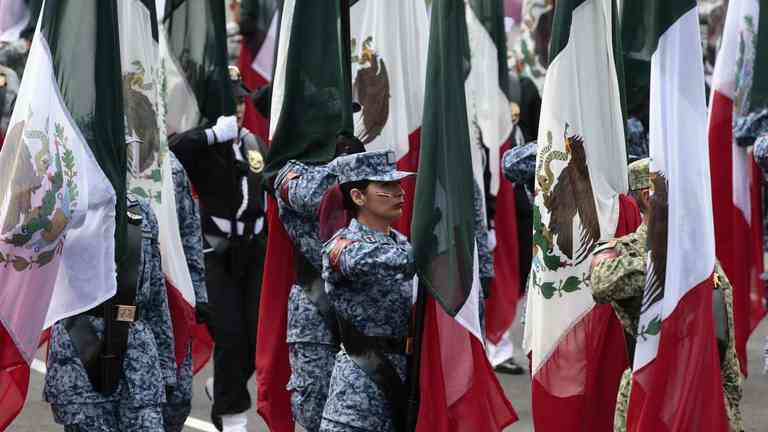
(645, 21)
(759, 91)
(491, 15)
(85, 49)
(317, 103)
(443, 234)
(203, 60)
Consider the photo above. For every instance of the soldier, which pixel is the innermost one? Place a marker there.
(225, 164)
(81, 398)
(518, 165)
(176, 410)
(368, 268)
(618, 275)
(312, 331)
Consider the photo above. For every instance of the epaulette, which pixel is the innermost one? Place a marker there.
(338, 248)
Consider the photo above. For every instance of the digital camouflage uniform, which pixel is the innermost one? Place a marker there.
(620, 281)
(148, 365)
(519, 163)
(637, 140)
(484, 253)
(176, 410)
(311, 346)
(752, 129)
(369, 276)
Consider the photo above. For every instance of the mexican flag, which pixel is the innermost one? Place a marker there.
(736, 179)
(62, 185)
(676, 379)
(259, 23)
(458, 389)
(389, 65)
(149, 168)
(311, 103)
(194, 61)
(577, 347)
(490, 121)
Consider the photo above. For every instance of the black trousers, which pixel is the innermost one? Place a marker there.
(524, 209)
(234, 288)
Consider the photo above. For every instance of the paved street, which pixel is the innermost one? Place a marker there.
(36, 416)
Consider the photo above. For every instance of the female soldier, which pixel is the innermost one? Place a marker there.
(368, 268)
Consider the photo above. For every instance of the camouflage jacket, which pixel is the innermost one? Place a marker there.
(149, 364)
(730, 371)
(190, 229)
(369, 279)
(620, 281)
(300, 189)
(485, 256)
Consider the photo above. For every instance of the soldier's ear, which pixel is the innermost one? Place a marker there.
(358, 197)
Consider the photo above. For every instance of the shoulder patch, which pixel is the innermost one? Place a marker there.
(335, 255)
(284, 186)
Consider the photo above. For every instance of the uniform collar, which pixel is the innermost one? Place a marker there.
(370, 234)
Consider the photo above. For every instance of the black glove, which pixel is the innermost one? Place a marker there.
(169, 392)
(347, 144)
(485, 283)
(203, 313)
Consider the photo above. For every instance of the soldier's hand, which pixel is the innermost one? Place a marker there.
(203, 313)
(225, 129)
(347, 144)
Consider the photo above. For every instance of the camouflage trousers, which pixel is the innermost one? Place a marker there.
(311, 369)
(622, 402)
(108, 417)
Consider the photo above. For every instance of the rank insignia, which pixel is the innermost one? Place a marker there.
(338, 248)
(256, 161)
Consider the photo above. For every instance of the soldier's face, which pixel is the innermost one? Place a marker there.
(383, 201)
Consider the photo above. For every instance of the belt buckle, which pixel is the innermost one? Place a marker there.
(126, 313)
(409, 345)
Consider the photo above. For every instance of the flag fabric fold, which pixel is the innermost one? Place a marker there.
(194, 61)
(259, 24)
(738, 235)
(14, 15)
(458, 389)
(577, 347)
(62, 185)
(676, 361)
(389, 58)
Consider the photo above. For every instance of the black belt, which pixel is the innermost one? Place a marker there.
(367, 352)
(103, 359)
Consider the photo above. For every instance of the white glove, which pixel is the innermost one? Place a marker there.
(225, 129)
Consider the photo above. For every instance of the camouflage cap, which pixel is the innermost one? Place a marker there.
(639, 175)
(761, 152)
(376, 166)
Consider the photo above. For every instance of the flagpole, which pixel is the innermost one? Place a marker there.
(346, 63)
(415, 359)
